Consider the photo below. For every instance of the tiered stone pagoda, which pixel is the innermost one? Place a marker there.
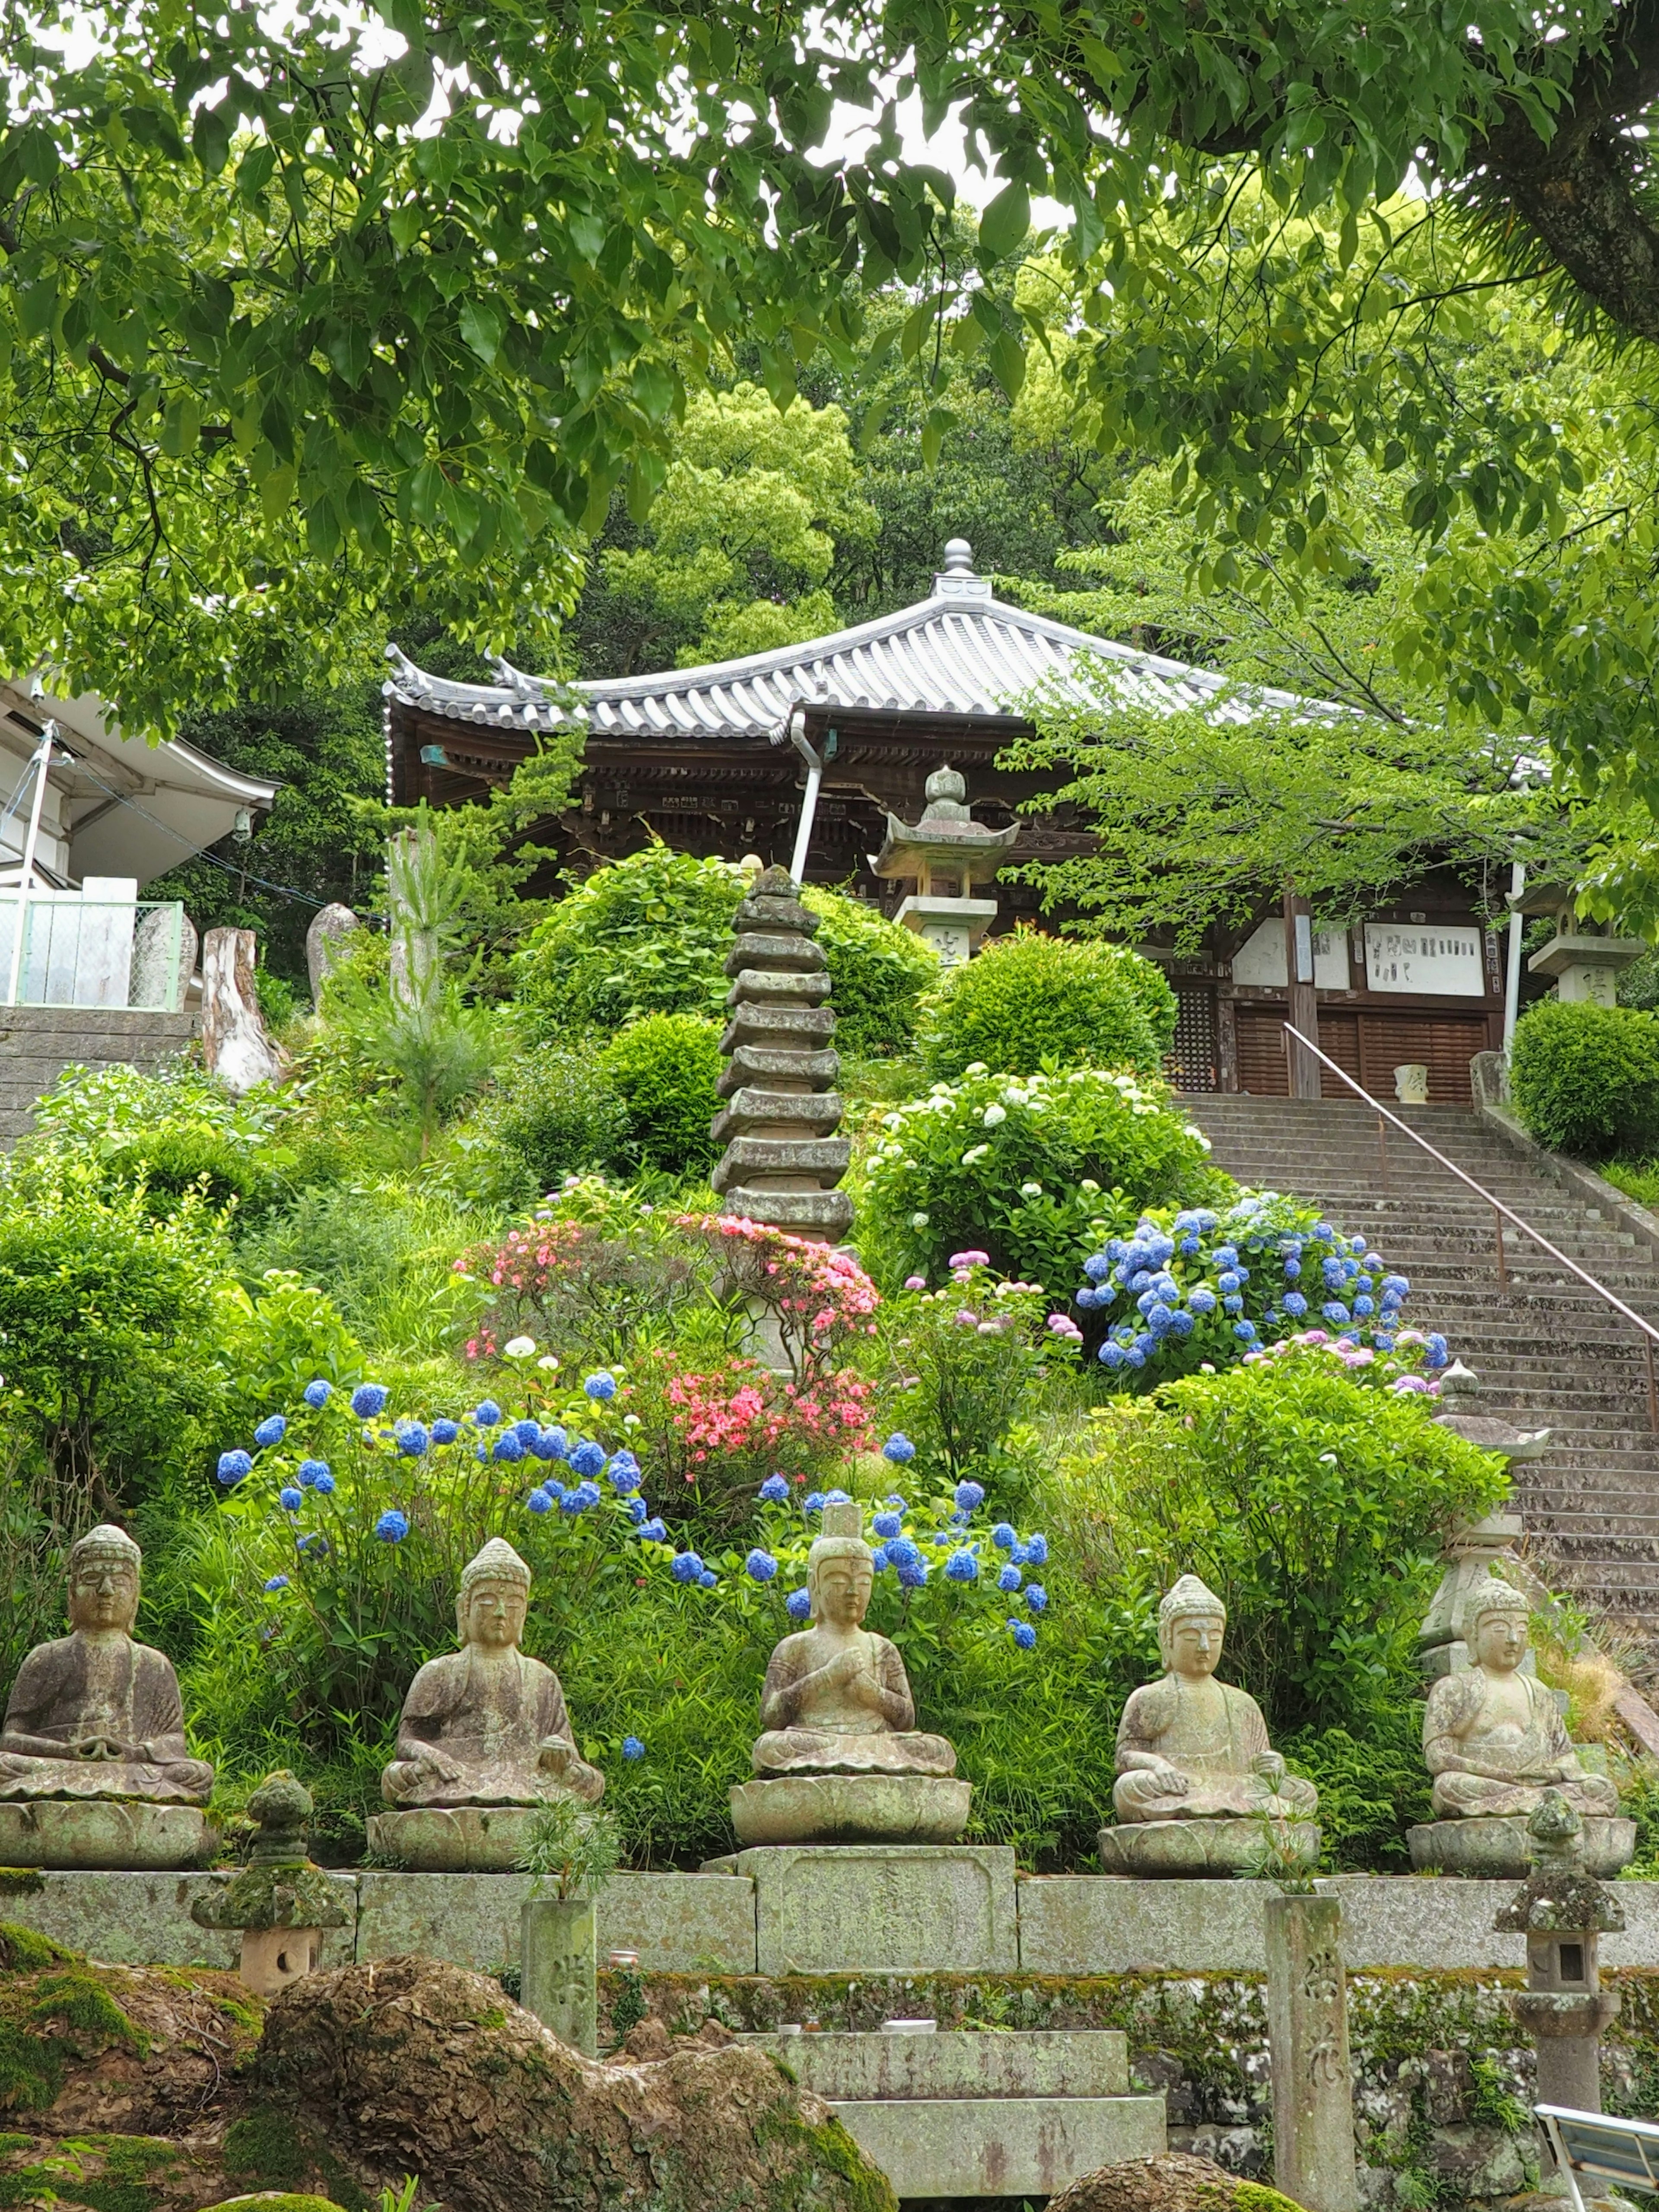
(783, 1160)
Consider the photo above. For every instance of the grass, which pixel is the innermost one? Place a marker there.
(1637, 1179)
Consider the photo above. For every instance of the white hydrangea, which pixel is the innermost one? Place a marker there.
(994, 1116)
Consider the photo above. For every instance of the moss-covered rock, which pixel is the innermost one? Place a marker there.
(1171, 2184)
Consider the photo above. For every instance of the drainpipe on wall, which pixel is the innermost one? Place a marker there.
(1517, 931)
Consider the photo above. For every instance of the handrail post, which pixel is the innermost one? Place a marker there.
(1383, 1149)
(1502, 1268)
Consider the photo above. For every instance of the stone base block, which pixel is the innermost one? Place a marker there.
(453, 1838)
(1001, 2147)
(853, 1808)
(881, 1908)
(95, 1833)
(1497, 1849)
(1070, 2062)
(1194, 1848)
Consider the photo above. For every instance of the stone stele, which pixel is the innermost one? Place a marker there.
(94, 1770)
(842, 1760)
(1196, 1776)
(1494, 1740)
(485, 1738)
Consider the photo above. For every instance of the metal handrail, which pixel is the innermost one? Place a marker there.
(1501, 1213)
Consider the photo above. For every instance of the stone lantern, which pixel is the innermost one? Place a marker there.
(1562, 1912)
(947, 852)
(1583, 963)
(281, 1902)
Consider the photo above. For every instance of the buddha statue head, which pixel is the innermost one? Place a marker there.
(494, 1597)
(1191, 1621)
(103, 1581)
(1495, 1621)
(841, 1570)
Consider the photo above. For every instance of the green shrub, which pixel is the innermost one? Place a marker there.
(387, 1255)
(171, 1132)
(552, 1111)
(1036, 1172)
(650, 934)
(663, 1068)
(1314, 1506)
(1028, 999)
(1585, 1078)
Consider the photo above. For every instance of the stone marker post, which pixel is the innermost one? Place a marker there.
(558, 1969)
(1308, 2051)
(1562, 1910)
(235, 1045)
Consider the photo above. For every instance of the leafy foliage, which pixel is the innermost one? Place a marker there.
(663, 1067)
(1030, 1001)
(1038, 1171)
(1585, 1078)
(1313, 1506)
(551, 1111)
(878, 972)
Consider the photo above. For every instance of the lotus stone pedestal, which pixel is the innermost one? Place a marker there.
(851, 1808)
(1498, 1848)
(98, 1833)
(453, 1838)
(1199, 1847)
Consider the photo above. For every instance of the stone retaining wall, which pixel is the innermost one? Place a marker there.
(711, 1923)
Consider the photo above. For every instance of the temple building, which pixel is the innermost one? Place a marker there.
(704, 758)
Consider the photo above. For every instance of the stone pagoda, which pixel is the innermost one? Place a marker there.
(946, 853)
(783, 1160)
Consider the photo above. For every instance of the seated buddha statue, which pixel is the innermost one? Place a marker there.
(1494, 1738)
(837, 1709)
(486, 1725)
(1194, 1750)
(95, 1714)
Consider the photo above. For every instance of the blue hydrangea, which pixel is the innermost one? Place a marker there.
(760, 1566)
(318, 1394)
(601, 1387)
(507, 1446)
(1037, 1597)
(1229, 1281)
(1003, 1536)
(898, 1447)
(887, 1524)
(799, 1605)
(1292, 1270)
(309, 1471)
(317, 1544)
(1224, 1256)
(528, 1433)
(1232, 1306)
(1023, 1633)
(1295, 1304)
(588, 1458)
(323, 1484)
(632, 1747)
(962, 1567)
(912, 1573)
(638, 1511)
(572, 1501)
(1010, 1578)
(545, 1446)
(1336, 1312)
(1036, 1548)
(686, 1567)
(1110, 1355)
(445, 1432)
(233, 1466)
(836, 1497)
(290, 1498)
(623, 1475)
(413, 1440)
(1333, 1272)
(815, 1501)
(277, 1583)
(902, 1551)
(1097, 1267)
(557, 1438)
(1181, 1324)
(1395, 1286)
(539, 1502)
(707, 1578)
(654, 1531)
(393, 1526)
(1244, 1331)
(774, 1491)
(1157, 1321)
(1383, 1341)
(1437, 1352)
(367, 1399)
(1202, 1300)
(1364, 1309)
(970, 1495)
(487, 1414)
(271, 1431)
(1376, 1262)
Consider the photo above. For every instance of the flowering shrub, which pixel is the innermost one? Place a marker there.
(347, 1527)
(1036, 1169)
(820, 1300)
(962, 1361)
(1200, 1287)
(1029, 1001)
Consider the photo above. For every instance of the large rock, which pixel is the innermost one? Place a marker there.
(411, 2067)
(1171, 2184)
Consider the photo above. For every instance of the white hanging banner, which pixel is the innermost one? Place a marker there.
(1439, 959)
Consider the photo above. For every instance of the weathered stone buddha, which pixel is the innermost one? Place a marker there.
(94, 1770)
(484, 1737)
(1195, 1772)
(841, 1759)
(1494, 1740)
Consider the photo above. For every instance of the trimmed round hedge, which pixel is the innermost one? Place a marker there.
(1585, 1078)
(1029, 999)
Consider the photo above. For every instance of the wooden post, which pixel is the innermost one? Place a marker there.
(235, 1045)
(1302, 999)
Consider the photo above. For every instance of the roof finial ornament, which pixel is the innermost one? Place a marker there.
(958, 558)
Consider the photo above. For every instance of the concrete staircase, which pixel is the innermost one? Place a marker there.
(1547, 1350)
